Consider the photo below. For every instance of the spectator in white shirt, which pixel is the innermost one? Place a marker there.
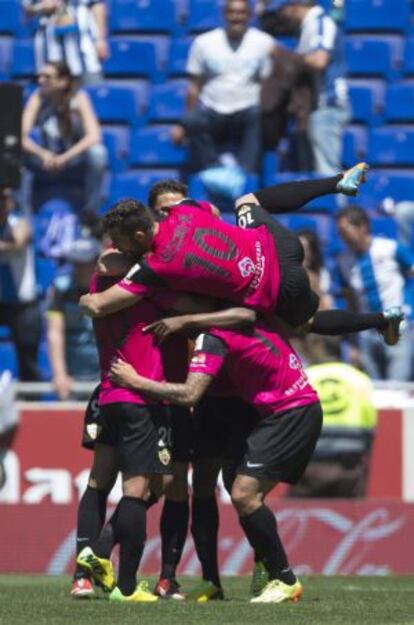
(226, 67)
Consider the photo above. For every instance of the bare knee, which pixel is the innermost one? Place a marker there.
(244, 503)
(135, 486)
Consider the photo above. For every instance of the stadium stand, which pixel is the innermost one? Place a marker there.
(145, 88)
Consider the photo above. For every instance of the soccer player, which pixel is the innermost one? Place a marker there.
(92, 505)
(268, 374)
(194, 441)
(192, 251)
(138, 429)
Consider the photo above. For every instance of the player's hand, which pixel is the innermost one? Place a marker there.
(63, 386)
(164, 327)
(123, 374)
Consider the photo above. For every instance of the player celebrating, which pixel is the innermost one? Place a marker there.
(190, 250)
(138, 430)
(268, 374)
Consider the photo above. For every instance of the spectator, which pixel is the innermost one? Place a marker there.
(226, 66)
(320, 45)
(340, 463)
(71, 339)
(19, 298)
(74, 31)
(70, 135)
(373, 274)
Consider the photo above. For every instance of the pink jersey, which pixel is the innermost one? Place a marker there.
(120, 336)
(261, 365)
(194, 251)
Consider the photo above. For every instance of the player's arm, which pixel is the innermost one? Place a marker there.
(230, 318)
(186, 394)
(107, 302)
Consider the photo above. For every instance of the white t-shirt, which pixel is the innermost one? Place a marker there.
(232, 76)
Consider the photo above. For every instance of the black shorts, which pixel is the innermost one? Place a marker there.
(216, 419)
(280, 446)
(296, 302)
(141, 435)
(182, 426)
(91, 426)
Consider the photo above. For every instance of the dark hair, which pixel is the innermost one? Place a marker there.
(315, 262)
(127, 216)
(167, 185)
(355, 215)
(63, 108)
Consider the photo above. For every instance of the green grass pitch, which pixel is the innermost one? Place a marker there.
(32, 600)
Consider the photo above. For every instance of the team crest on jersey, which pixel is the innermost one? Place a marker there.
(246, 266)
(164, 456)
(294, 362)
(93, 430)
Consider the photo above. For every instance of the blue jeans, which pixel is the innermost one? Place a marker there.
(209, 133)
(382, 362)
(325, 128)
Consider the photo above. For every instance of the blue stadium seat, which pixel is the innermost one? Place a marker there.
(409, 56)
(354, 145)
(11, 17)
(367, 100)
(377, 15)
(299, 222)
(153, 146)
(382, 184)
(8, 358)
(142, 16)
(132, 58)
(392, 146)
(204, 14)
(5, 57)
(373, 55)
(117, 143)
(384, 227)
(137, 183)
(399, 103)
(177, 58)
(23, 60)
(167, 101)
(120, 104)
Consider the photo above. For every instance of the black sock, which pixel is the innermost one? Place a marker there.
(204, 528)
(91, 517)
(290, 196)
(129, 529)
(106, 541)
(260, 528)
(173, 528)
(336, 322)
